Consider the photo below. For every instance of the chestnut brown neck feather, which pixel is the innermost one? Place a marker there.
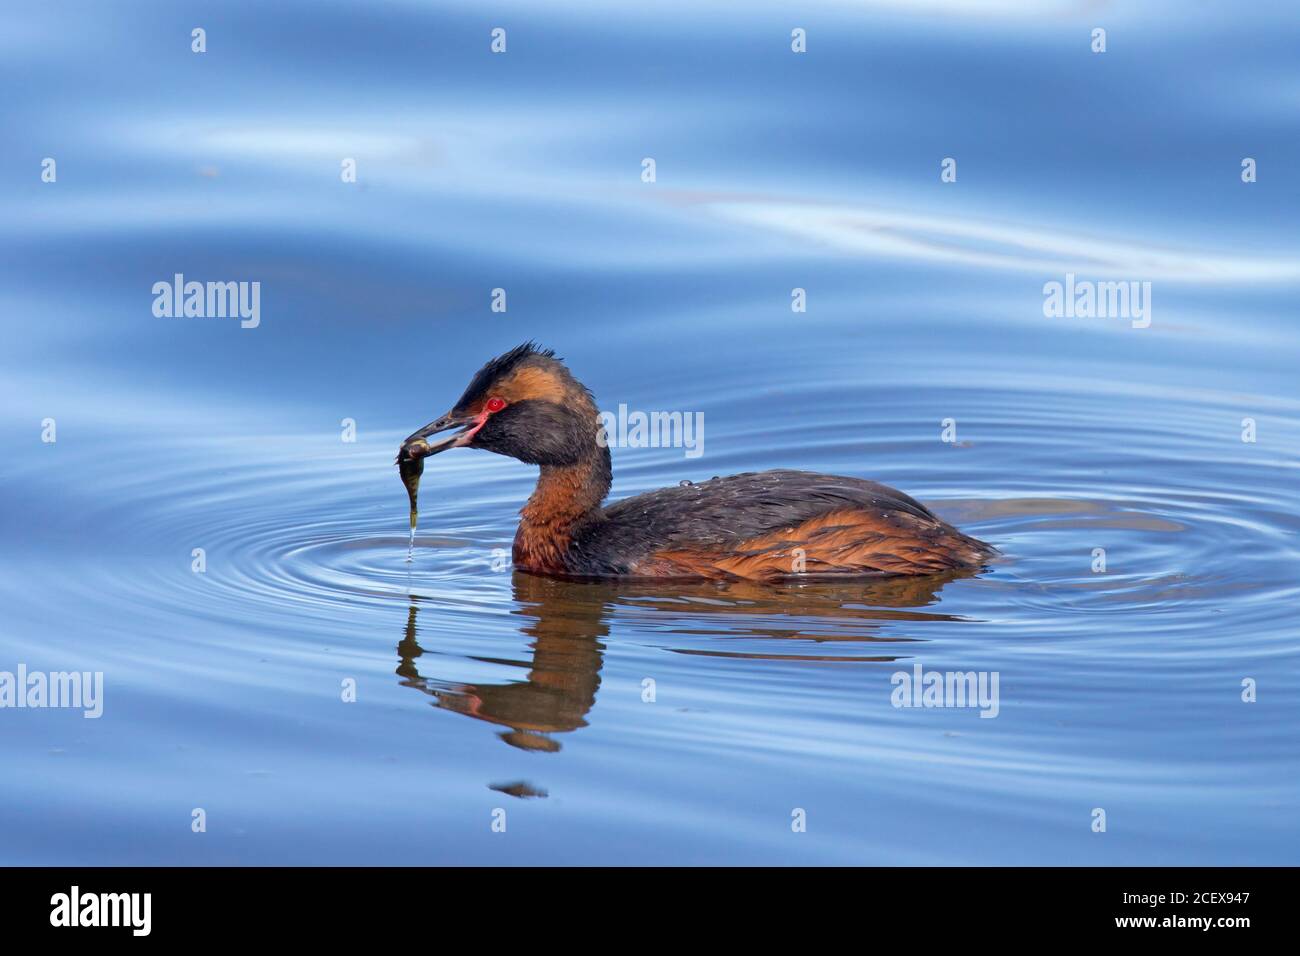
(566, 496)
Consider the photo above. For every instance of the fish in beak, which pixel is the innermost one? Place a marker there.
(417, 447)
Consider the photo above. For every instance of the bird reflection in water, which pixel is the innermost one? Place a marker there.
(567, 622)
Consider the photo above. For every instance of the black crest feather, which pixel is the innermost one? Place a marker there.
(502, 365)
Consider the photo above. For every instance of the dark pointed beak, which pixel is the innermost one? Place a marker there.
(417, 445)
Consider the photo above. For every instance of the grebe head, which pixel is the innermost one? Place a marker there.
(524, 404)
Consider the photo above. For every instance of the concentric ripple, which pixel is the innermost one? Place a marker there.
(1187, 521)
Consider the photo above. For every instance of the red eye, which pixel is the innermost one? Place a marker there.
(495, 404)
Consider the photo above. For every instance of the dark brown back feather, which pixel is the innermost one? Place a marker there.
(767, 513)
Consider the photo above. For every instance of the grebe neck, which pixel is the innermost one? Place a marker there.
(566, 497)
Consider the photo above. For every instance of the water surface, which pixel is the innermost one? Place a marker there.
(480, 689)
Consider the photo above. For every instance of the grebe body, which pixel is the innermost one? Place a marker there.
(767, 525)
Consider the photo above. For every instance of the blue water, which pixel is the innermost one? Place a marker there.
(480, 689)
